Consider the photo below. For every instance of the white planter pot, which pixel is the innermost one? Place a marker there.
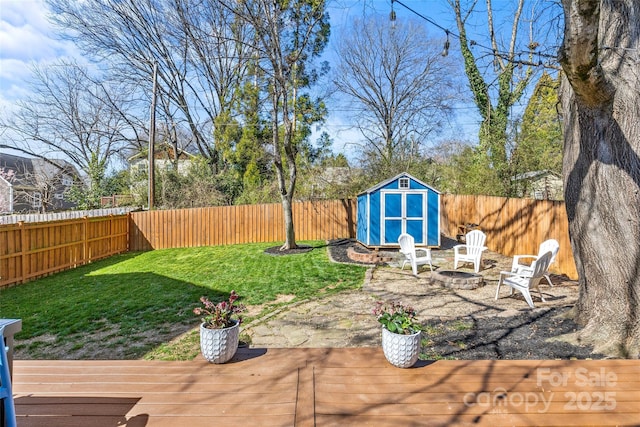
(219, 345)
(401, 350)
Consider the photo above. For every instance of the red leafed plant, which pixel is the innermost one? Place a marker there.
(397, 318)
(220, 315)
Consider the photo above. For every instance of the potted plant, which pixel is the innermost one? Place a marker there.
(220, 328)
(401, 333)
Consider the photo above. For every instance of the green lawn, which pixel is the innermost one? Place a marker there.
(130, 306)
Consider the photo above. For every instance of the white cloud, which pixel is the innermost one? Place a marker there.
(13, 72)
(26, 38)
(25, 33)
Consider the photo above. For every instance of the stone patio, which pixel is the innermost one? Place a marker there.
(346, 319)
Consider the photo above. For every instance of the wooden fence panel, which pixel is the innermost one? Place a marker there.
(226, 225)
(513, 226)
(32, 250)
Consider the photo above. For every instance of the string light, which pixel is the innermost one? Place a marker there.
(504, 55)
(445, 51)
(392, 14)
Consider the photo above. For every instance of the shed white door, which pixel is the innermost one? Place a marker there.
(403, 212)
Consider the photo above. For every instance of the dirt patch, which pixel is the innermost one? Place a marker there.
(254, 310)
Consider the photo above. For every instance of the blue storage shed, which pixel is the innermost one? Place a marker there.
(402, 204)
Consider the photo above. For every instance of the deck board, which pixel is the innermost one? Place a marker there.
(326, 387)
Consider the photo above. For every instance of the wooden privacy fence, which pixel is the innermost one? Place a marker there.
(227, 225)
(513, 226)
(32, 250)
(28, 251)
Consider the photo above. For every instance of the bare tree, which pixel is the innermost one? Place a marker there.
(600, 56)
(197, 45)
(71, 116)
(288, 37)
(398, 87)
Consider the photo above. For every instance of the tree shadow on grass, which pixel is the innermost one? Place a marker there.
(117, 316)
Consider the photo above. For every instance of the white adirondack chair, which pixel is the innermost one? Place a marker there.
(524, 282)
(408, 248)
(471, 251)
(550, 245)
(6, 396)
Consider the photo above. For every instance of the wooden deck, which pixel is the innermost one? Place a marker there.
(326, 387)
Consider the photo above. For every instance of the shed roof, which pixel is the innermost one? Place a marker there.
(390, 180)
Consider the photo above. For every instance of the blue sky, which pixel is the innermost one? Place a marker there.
(26, 38)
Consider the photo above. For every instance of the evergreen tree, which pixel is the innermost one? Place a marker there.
(540, 141)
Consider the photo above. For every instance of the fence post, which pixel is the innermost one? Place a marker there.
(85, 243)
(23, 249)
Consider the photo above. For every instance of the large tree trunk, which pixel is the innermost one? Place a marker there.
(290, 236)
(601, 167)
(286, 189)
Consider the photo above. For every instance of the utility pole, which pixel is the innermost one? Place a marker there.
(152, 139)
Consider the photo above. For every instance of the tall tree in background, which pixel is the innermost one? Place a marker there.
(600, 56)
(289, 35)
(398, 88)
(195, 44)
(539, 144)
(494, 104)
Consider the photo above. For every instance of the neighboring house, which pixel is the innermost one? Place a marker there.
(331, 182)
(541, 185)
(35, 185)
(164, 159)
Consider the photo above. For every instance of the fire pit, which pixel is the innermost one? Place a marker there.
(457, 279)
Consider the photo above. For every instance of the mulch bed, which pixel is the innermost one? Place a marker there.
(338, 250)
(277, 250)
(525, 336)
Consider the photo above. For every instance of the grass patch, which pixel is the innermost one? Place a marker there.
(129, 305)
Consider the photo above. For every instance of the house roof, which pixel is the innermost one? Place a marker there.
(163, 150)
(49, 168)
(18, 171)
(336, 174)
(390, 180)
(534, 175)
(27, 172)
